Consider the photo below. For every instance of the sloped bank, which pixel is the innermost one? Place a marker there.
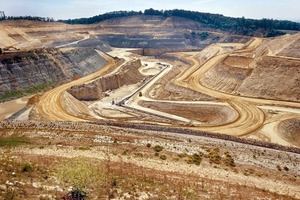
(127, 75)
(22, 72)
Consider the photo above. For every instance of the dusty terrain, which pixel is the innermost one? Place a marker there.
(192, 119)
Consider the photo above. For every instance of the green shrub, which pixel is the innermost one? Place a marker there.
(163, 157)
(158, 148)
(26, 167)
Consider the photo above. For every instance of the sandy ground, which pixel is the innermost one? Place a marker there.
(8, 108)
(251, 114)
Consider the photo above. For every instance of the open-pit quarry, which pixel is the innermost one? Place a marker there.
(205, 120)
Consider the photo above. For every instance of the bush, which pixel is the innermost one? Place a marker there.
(158, 148)
(163, 157)
(195, 159)
(26, 167)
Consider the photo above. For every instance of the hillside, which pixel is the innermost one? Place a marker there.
(250, 27)
(273, 74)
(27, 72)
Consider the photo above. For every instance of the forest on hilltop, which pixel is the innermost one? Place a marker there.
(242, 26)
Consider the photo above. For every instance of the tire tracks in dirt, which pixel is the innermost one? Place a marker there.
(50, 105)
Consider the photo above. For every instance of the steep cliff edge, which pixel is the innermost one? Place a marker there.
(23, 71)
(128, 74)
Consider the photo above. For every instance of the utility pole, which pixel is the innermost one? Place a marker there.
(2, 15)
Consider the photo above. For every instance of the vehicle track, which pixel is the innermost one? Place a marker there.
(50, 105)
(250, 117)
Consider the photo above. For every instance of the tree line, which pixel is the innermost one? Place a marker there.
(32, 18)
(243, 26)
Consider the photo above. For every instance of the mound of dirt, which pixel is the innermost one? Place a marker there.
(289, 130)
(207, 114)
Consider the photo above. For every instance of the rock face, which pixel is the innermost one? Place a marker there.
(24, 70)
(128, 74)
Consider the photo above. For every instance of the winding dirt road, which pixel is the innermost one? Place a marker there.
(250, 116)
(50, 106)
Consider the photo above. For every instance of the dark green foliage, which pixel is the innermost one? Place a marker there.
(26, 167)
(32, 18)
(158, 148)
(243, 26)
(100, 18)
(163, 157)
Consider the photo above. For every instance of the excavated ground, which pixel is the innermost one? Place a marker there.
(289, 130)
(220, 122)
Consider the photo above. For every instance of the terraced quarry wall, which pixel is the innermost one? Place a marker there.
(271, 78)
(23, 70)
(128, 74)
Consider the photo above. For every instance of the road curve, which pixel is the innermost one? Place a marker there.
(250, 117)
(50, 106)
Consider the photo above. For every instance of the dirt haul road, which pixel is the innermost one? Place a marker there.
(250, 117)
(50, 105)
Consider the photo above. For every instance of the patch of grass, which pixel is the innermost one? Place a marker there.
(80, 173)
(13, 141)
(84, 148)
(20, 93)
(182, 155)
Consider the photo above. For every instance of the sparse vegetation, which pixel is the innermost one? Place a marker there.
(26, 167)
(158, 148)
(80, 173)
(17, 94)
(14, 141)
(163, 157)
(84, 148)
(278, 167)
(196, 159)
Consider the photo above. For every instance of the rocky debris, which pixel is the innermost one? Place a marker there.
(127, 75)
